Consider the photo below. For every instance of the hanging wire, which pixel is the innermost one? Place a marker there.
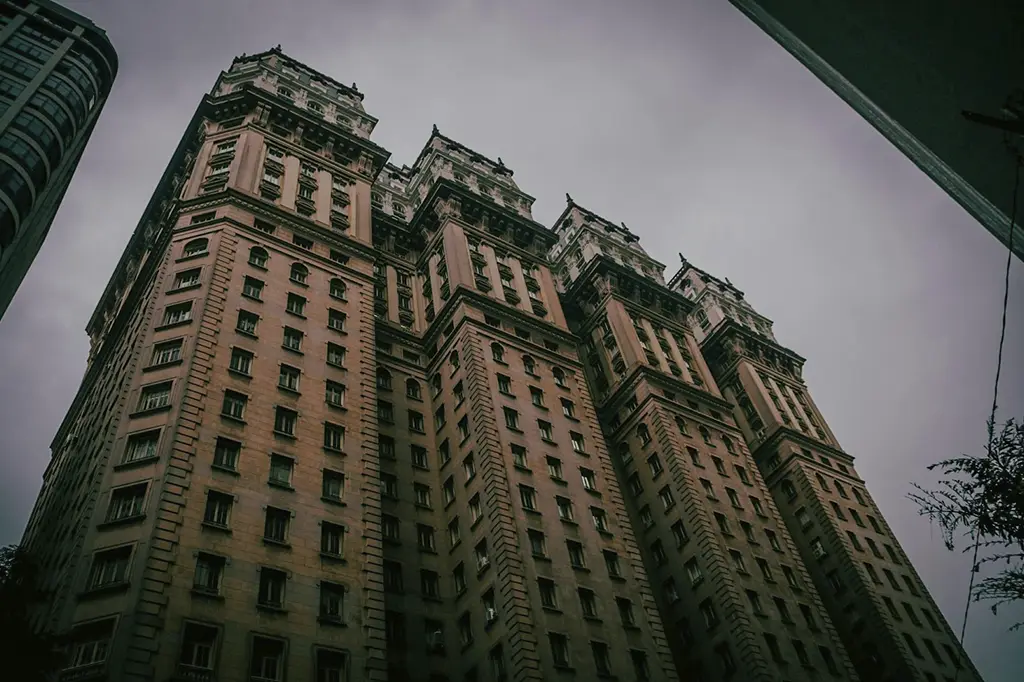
(995, 398)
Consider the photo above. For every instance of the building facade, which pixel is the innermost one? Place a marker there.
(56, 70)
(345, 420)
(911, 69)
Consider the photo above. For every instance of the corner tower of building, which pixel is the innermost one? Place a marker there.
(882, 611)
(728, 580)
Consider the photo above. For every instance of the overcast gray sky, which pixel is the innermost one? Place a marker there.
(681, 119)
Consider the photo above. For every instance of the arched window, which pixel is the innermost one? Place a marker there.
(702, 319)
(729, 446)
(300, 273)
(453, 359)
(498, 353)
(383, 379)
(788, 489)
(435, 384)
(196, 247)
(643, 433)
(624, 456)
(258, 256)
(559, 376)
(822, 482)
(338, 289)
(412, 389)
(681, 425)
(706, 435)
(529, 365)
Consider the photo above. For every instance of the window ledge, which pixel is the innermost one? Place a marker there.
(239, 373)
(534, 512)
(192, 256)
(592, 619)
(250, 297)
(333, 500)
(188, 287)
(135, 463)
(332, 621)
(152, 410)
(217, 527)
(548, 440)
(251, 335)
(560, 481)
(297, 351)
(525, 470)
(286, 436)
(162, 365)
(276, 543)
(581, 569)
(295, 314)
(236, 420)
(565, 669)
(516, 429)
(280, 485)
(101, 590)
(542, 557)
(290, 391)
(206, 594)
(551, 609)
(123, 521)
(226, 470)
(333, 558)
(270, 608)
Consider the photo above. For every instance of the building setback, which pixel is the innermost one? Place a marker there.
(345, 420)
(56, 70)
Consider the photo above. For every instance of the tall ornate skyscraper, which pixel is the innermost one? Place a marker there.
(56, 69)
(345, 420)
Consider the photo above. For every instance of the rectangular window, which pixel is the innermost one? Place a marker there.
(141, 446)
(281, 470)
(292, 339)
(577, 442)
(334, 437)
(252, 288)
(538, 546)
(425, 538)
(577, 558)
(336, 320)
(166, 353)
(296, 304)
(334, 394)
(247, 322)
(110, 567)
(178, 313)
(288, 378)
(528, 497)
(198, 647)
(209, 571)
(234, 405)
(335, 355)
(127, 502)
(416, 422)
(511, 418)
(218, 509)
(333, 487)
(155, 396)
(275, 525)
(241, 361)
(285, 421)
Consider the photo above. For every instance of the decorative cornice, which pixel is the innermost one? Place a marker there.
(601, 265)
(294, 63)
(785, 433)
(723, 348)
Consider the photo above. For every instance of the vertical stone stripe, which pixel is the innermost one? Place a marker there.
(149, 617)
(375, 665)
(502, 540)
(725, 592)
(662, 652)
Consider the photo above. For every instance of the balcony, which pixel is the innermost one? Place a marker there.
(92, 671)
(191, 673)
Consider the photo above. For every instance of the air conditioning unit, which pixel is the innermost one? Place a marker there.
(491, 614)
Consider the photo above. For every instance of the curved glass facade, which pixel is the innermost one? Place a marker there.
(56, 70)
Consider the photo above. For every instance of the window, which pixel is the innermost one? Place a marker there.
(186, 279)
(91, 643)
(554, 468)
(288, 378)
(559, 376)
(141, 446)
(413, 390)
(766, 570)
(911, 587)
(773, 648)
(480, 552)
(511, 418)
(155, 396)
(448, 490)
(275, 524)
(528, 497)
(694, 457)
(559, 649)
(644, 434)
(577, 442)
(416, 422)
(196, 247)
(519, 456)
(723, 524)
(281, 468)
(421, 494)
(743, 476)
(332, 539)
(529, 366)
(568, 409)
(709, 490)
(299, 273)
(756, 504)
(198, 644)
(601, 659)
(734, 498)
(564, 505)
(335, 355)
(719, 466)
(577, 558)
(693, 572)
(234, 405)
(383, 379)
(296, 304)
(247, 322)
(707, 611)
(803, 518)
(536, 396)
(497, 353)
(679, 533)
(110, 567)
(388, 485)
(611, 563)
(548, 595)
(788, 489)
(600, 519)
(818, 549)
(830, 663)
(463, 428)
(272, 587)
(738, 562)
(588, 602)
(333, 485)
(666, 497)
(336, 320)
(285, 420)
(655, 464)
(425, 538)
(218, 509)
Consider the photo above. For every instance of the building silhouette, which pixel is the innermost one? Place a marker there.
(56, 70)
(911, 69)
(345, 420)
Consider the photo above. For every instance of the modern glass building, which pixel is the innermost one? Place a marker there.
(56, 70)
(911, 69)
